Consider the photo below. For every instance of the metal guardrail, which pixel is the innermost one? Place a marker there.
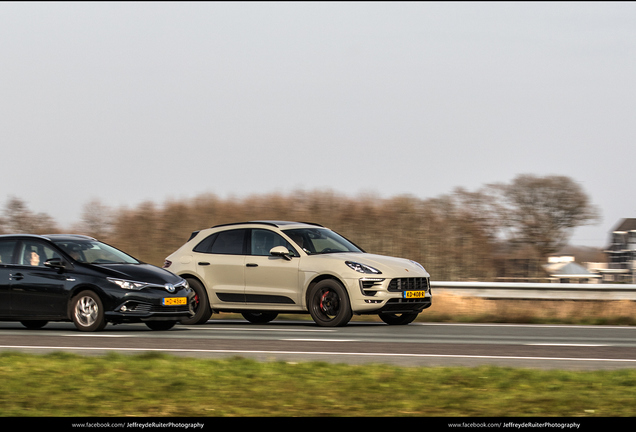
(536, 291)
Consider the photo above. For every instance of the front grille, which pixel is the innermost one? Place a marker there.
(405, 284)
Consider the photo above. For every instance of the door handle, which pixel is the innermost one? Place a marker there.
(251, 265)
(203, 263)
(17, 276)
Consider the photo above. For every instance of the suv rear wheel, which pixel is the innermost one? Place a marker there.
(259, 317)
(34, 324)
(160, 325)
(202, 311)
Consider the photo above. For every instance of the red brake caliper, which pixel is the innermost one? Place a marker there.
(322, 299)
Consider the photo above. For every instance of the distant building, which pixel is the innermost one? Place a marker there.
(563, 269)
(621, 254)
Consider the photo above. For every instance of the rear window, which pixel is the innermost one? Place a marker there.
(224, 243)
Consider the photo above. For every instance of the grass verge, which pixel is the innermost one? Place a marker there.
(67, 385)
(454, 308)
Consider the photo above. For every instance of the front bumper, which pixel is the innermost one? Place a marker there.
(399, 305)
(148, 306)
(384, 295)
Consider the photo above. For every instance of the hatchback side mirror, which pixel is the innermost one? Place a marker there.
(55, 263)
(280, 251)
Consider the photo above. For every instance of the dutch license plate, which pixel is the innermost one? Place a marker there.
(414, 294)
(174, 301)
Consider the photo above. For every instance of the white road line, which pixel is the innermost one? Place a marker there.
(329, 353)
(98, 335)
(251, 329)
(566, 344)
(129, 335)
(319, 340)
(574, 326)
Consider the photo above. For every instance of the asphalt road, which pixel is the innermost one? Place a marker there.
(418, 344)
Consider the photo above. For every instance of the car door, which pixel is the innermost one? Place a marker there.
(270, 280)
(36, 290)
(220, 261)
(7, 248)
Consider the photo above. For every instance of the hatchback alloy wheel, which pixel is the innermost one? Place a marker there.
(88, 313)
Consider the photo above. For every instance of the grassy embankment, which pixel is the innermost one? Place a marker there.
(66, 385)
(158, 385)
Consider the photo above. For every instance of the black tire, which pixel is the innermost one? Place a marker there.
(160, 325)
(34, 325)
(202, 311)
(87, 312)
(259, 317)
(398, 319)
(329, 304)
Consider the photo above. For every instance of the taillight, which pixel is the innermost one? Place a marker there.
(167, 263)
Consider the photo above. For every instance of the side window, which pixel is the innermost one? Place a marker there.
(262, 241)
(6, 251)
(33, 253)
(206, 244)
(229, 242)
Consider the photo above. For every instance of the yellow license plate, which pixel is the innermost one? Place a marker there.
(174, 301)
(414, 294)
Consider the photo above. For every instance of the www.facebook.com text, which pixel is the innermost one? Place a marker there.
(139, 425)
(517, 425)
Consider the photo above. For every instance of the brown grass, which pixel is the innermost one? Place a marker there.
(454, 308)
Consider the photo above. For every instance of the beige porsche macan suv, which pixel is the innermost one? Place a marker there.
(263, 268)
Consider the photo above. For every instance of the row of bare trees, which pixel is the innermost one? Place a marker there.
(455, 236)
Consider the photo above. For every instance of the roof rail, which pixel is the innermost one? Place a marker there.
(276, 224)
(243, 223)
(312, 223)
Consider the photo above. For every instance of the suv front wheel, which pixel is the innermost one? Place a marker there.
(328, 304)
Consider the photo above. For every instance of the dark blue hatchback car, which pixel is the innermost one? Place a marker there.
(77, 278)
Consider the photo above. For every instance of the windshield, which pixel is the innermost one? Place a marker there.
(94, 252)
(320, 241)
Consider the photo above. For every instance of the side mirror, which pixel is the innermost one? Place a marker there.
(55, 263)
(280, 251)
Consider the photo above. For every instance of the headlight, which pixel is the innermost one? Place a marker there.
(362, 268)
(126, 284)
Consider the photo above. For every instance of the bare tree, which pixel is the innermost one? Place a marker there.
(97, 219)
(543, 211)
(19, 219)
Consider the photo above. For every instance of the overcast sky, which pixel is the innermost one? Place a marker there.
(128, 102)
